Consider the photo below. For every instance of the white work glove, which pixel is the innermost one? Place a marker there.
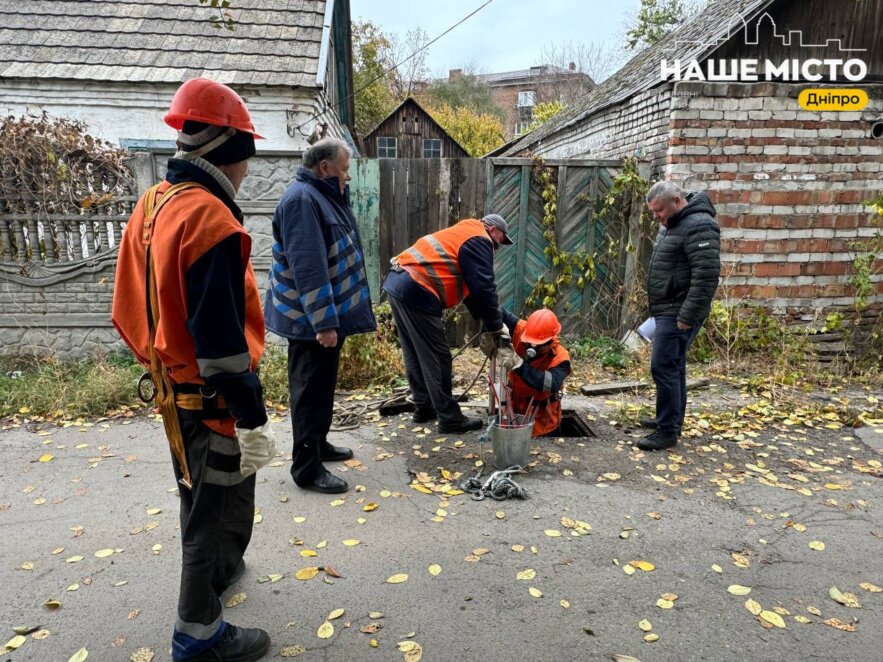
(509, 359)
(491, 341)
(257, 447)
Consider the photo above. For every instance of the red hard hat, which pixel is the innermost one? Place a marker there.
(542, 326)
(209, 102)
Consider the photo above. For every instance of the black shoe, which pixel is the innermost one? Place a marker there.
(327, 483)
(657, 441)
(648, 423)
(424, 415)
(465, 425)
(236, 645)
(331, 453)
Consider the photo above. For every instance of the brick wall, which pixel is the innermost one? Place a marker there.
(638, 125)
(789, 186)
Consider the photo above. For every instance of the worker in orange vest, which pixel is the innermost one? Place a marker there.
(186, 302)
(537, 368)
(438, 272)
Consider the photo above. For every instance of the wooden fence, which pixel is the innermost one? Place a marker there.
(399, 200)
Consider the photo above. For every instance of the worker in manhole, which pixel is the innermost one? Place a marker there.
(538, 364)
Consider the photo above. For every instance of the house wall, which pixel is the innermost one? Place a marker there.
(119, 112)
(789, 186)
(639, 126)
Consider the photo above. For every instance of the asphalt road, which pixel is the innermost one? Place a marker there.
(109, 479)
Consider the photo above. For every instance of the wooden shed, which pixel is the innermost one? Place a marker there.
(409, 132)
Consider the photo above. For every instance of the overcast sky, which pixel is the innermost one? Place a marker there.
(504, 36)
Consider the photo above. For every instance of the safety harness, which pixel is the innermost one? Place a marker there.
(165, 391)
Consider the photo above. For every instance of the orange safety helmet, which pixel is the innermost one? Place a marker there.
(209, 102)
(542, 326)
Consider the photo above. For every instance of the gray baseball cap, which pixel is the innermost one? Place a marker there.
(497, 221)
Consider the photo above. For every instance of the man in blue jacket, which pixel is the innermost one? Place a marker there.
(318, 296)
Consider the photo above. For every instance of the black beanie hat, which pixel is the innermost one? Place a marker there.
(238, 147)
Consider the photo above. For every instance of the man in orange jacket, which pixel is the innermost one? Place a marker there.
(439, 271)
(186, 303)
(537, 368)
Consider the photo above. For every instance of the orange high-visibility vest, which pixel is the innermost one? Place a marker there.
(188, 225)
(548, 416)
(434, 264)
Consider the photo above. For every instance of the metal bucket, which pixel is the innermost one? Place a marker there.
(511, 445)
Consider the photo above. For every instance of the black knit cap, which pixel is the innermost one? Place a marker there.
(239, 147)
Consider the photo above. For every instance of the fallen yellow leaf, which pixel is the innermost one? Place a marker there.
(817, 545)
(871, 587)
(645, 625)
(337, 613)
(368, 507)
(664, 604)
(236, 599)
(753, 606)
(846, 599)
(46, 458)
(535, 592)
(565, 604)
(306, 573)
(646, 566)
(772, 618)
(325, 631)
(716, 567)
(434, 569)
(552, 533)
(351, 542)
(307, 553)
(528, 574)
(103, 553)
(15, 642)
(397, 579)
(738, 589)
(79, 656)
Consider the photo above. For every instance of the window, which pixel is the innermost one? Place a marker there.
(521, 128)
(526, 99)
(386, 148)
(432, 148)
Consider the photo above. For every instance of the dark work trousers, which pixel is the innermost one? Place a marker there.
(668, 365)
(312, 377)
(217, 516)
(428, 361)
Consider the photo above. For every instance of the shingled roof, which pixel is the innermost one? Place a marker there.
(274, 42)
(696, 39)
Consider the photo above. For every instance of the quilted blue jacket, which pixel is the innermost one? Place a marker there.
(318, 279)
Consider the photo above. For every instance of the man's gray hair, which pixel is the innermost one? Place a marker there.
(666, 191)
(327, 149)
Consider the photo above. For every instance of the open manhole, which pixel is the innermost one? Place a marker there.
(572, 425)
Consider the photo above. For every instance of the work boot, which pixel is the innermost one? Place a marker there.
(327, 483)
(648, 423)
(657, 441)
(236, 645)
(466, 424)
(424, 415)
(330, 453)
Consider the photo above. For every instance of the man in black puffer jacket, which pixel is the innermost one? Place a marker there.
(681, 282)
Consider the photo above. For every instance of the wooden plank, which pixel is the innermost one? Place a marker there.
(387, 210)
(400, 234)
(418, 200)
(454, 192)
(444, 193)
(366, 206)
(433, 176)
(609, 388)
(590, 290)
(521, 244)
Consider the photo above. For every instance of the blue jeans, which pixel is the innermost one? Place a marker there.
(668, 365)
